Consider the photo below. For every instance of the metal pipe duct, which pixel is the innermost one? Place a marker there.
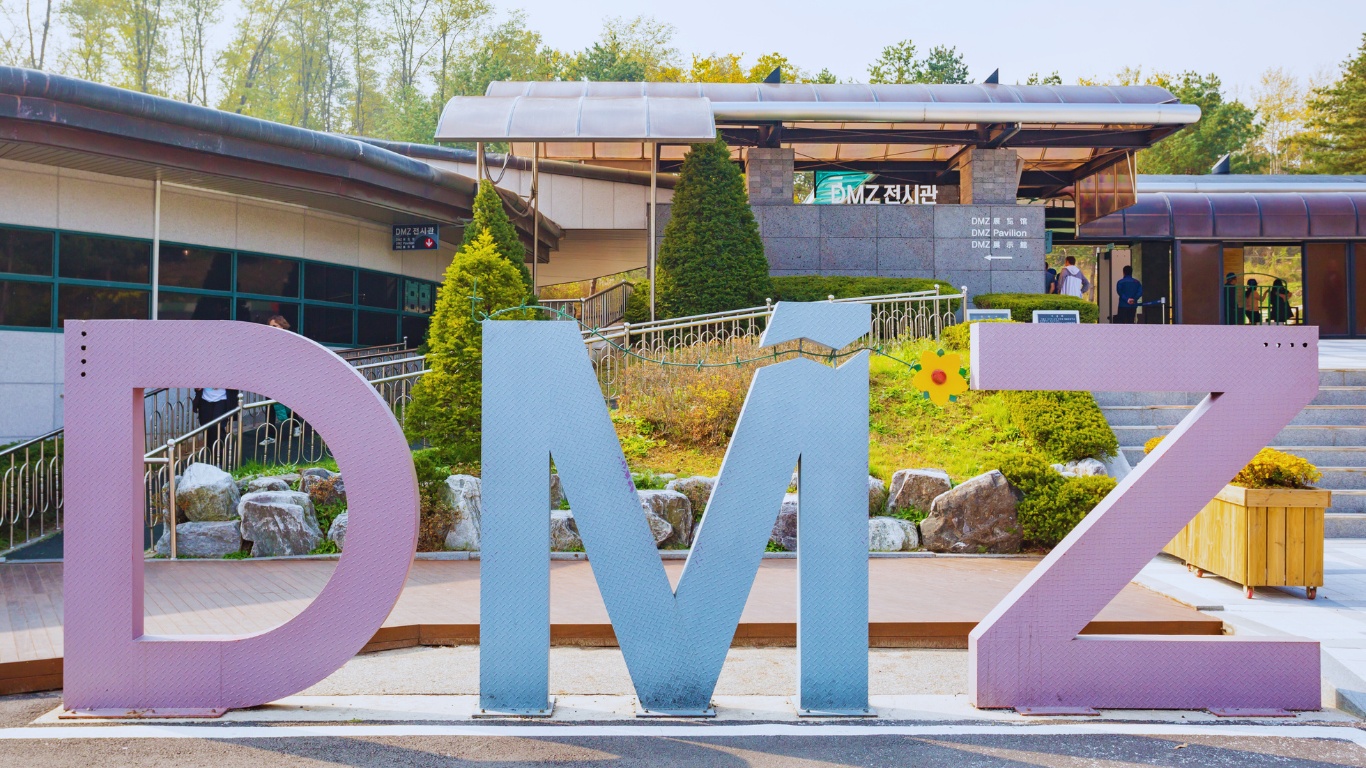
(937, 112)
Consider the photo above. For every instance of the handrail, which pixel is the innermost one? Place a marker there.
(32, 441)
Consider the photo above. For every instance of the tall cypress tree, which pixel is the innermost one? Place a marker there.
(1338, 120)
(711, 258)
(489, 216)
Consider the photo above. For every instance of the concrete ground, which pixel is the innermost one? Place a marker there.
(1337, 619)
(1342, 353)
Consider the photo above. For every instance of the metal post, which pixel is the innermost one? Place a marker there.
(170, 495)
(654, 189)
(964, 309)
(156, 245)
(241, 417)
(479, 162)
(535, 214)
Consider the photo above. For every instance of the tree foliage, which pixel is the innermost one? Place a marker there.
(491, 217)
(1338, 120)
(898, 64)
(1225, 127)
(711, 258)
(446, 408)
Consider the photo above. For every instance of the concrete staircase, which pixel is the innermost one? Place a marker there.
(1330, 432)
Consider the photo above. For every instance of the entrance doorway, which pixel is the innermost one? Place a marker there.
(1262, 284)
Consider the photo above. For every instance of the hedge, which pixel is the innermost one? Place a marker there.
(1052, 504)
(822, 287)
(1022, 305)
(957, 337)
(1067, 426)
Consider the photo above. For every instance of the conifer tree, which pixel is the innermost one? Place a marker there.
(489, 216)
(711, 258)
(446, 407)
(1337, 142)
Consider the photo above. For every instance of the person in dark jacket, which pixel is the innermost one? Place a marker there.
(1280, 302)
(1130, 296)
(1252, 302)
(1233, 314)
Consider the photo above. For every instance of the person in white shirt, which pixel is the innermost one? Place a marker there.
(1071, 281)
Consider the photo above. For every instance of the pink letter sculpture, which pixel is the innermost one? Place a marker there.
(110, 663)
(1027, 651)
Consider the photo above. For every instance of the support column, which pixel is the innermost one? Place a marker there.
(768, 175)
(990, 177)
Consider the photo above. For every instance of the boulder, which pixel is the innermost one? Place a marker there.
(916, 488)
(785, 530)
(337, 533)
(877, 496)
(697, 488)
(564, 532)
(978, 516)
(1063, 470)
(207, 539)
(291, 478)
(204, 493)
(322, 473)
(675, 509)
(1087, 468)
(279, 523)
(891, 534)
(266, 484)
(324, 490)
(465, 496)
(556, 491)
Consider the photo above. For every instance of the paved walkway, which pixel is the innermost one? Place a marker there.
(1337, 619)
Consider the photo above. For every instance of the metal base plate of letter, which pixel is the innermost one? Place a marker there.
(159, 713)
(1057, 711)
(488, 713)
(868, 712)
(641, 711)
(1249, 712)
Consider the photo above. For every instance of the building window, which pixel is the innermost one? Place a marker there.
(378, 290)
(25, 305)
(262, 310)
(267, 275)
(376, 328)
(88, 302)
(108, 259)
(327, 283)
(415, 329)
(417, 296)
(184, 267)
(327, 325)
(173, 305)
(25, 252)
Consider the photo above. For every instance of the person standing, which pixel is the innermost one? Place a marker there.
(1050, 280)
(1071, 281)
(1233, 315)
(1130, 296)
(1280, 302)
(1252, 302)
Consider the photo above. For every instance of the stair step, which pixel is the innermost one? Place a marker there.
(1344, 525)
(1343, 478)
(1344, 395)
(1148, 398)
(1350, 377)
(1310, 436)
(1348, 501)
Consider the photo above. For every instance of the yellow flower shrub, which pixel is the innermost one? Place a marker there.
(1270, 468)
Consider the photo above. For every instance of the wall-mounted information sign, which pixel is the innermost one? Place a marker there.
(1057, 316)
(416, 237)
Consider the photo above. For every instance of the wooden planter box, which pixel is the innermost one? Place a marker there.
(1258, 537)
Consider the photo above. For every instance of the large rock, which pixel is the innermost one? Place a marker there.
(891, 534)
(337, 533)
(697, 488)
(978, 516)
(675, 509)
(207, 539)
(266, 484)
(564, 532)
(465, 496)
(323, 486)
(877, 496)
(916, 488)
(279, 523)
(556, 491)
(1087, 468)
(785, 530)
(205, 493)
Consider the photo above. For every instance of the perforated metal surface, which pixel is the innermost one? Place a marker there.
(110, 663)
(1027, 651)
(542, 400)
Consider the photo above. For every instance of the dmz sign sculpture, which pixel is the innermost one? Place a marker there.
(542, 402)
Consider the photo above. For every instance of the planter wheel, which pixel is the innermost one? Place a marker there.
(1311, 592)
(1199, 573)
(1248, 592)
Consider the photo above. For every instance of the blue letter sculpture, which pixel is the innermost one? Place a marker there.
(542, 400)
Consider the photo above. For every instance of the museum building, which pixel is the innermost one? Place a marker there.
(118, 204)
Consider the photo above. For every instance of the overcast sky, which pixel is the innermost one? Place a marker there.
(1236, 40)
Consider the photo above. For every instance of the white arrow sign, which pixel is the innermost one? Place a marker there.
(989, 257)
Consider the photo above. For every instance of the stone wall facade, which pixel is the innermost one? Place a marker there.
(990, 177)
(768, 175)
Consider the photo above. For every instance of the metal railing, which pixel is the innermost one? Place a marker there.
(896, 316)
(30, 490)
(604, 308)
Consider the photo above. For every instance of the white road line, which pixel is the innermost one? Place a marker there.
(140, 731)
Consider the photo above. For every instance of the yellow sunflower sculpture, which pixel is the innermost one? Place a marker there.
(940, 376)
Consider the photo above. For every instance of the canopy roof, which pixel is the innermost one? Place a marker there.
(913, 133)
(1294, 214)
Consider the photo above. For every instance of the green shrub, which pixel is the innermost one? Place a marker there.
(326, 547)
(957, 337)
(446, 406)
(638, 304)
(1065, 425)
(490, 216)
(1022, 305)
(822, 287)
(434, 514)
(1052, 504)
(710, 258)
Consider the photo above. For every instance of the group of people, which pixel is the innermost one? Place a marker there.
(1275, 300)
(1071, 281)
